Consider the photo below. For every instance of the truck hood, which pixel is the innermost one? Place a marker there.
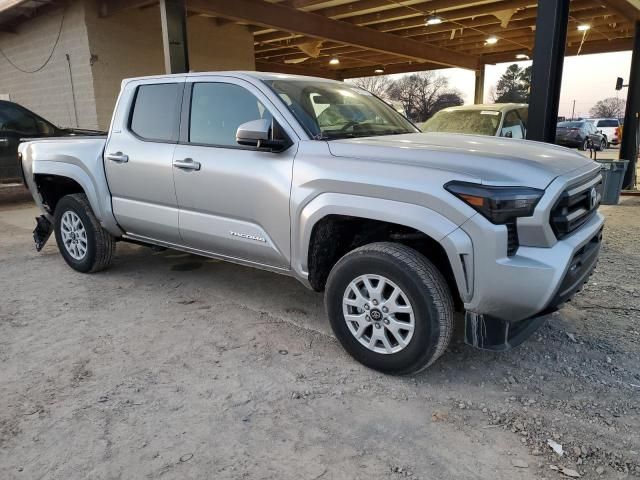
(487, 159)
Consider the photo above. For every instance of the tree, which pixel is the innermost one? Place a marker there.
(514, 85)
(423, 94)
(446, 100)
(378, 85)
(611, 107)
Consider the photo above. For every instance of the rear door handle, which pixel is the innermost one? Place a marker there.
(4, 142)
(118, 157)
(187, 164)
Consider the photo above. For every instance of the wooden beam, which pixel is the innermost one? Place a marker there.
(596, 16)
(388, 69)
(407, 25)
(385, 9)
(459, 11)
(627, 8)
(317, 26)
(599, 46)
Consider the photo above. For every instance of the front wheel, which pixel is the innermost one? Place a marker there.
(390, 308)
(83, 243)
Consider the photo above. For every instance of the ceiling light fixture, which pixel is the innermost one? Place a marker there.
(522, 56)
(491, 41)
(334, 61)
(433, 19)
(379, 70)
(583, 27)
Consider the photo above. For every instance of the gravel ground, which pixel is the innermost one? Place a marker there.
(173, 366)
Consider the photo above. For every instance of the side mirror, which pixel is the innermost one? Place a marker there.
(509, 134)
(260, 134)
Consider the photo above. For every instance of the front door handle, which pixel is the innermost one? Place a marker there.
(187, 164)
(118, 157)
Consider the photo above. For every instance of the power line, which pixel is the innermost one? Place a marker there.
(46, 62)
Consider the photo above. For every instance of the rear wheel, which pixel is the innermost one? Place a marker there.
(603, 145)
(585, 145)
(390, 308)
(83, 243)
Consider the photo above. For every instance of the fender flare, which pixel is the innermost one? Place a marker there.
(455, 242)
(100, 201)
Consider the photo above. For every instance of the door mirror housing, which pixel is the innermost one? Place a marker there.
(263, 134)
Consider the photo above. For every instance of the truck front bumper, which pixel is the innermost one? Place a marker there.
(513, 295)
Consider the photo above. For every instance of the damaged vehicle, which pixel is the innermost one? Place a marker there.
(324, 182)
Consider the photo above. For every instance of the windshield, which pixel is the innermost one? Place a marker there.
(330, 111)
(476, 122)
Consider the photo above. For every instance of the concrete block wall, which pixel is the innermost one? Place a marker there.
(219, 47)
(103, 51)
(129, 44)
(48, 92)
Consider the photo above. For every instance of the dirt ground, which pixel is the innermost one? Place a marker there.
(175, 367)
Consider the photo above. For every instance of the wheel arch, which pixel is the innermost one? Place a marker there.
(439, 235)
(53, 180)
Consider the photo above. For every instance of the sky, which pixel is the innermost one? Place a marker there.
(586, 79)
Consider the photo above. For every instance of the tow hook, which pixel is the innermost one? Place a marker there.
(488, 333)
(42, 232)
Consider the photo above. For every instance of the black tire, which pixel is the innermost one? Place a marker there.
(603, 145)
(585, 145)
(100, 245)
(426, 290)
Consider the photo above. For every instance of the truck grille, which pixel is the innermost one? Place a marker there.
(576, 206)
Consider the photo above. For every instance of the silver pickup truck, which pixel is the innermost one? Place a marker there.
(323, 181)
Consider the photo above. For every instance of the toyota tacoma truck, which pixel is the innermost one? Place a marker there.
(323, 181)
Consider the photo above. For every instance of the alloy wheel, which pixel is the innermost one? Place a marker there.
(74, 235)
(378, 314)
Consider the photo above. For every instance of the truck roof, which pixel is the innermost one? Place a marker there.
(246, 74)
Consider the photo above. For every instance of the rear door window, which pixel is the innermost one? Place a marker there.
(156, 112)
(608, 123)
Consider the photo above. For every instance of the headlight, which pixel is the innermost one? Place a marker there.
(498, 204)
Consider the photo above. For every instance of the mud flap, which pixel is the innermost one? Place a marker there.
(489, 333)
(42, 232)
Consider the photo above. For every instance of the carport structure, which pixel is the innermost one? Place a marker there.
(353, 38)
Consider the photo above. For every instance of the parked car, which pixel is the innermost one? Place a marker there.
(17, 122)
(324, 182)
(609, 127)
(581, 134)
(498, 120)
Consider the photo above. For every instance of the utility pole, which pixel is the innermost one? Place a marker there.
(573, 111)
